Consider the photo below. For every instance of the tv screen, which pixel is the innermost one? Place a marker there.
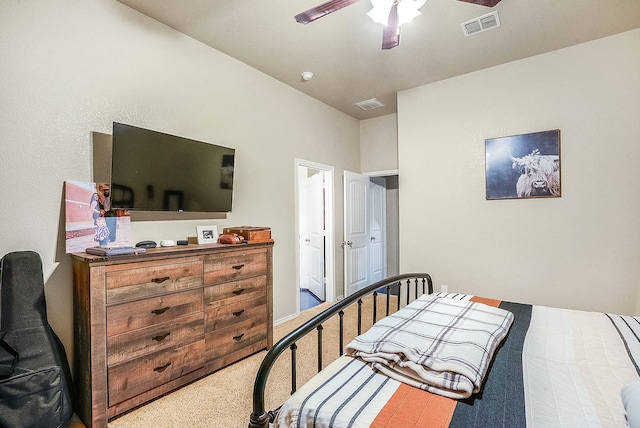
(153, 171)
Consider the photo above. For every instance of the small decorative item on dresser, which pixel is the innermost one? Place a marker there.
(230, 238)
(251, 233)
(207, 234)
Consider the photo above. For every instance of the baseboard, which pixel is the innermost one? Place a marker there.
(285, 319)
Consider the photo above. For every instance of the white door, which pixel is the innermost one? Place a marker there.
(377, 228)
(303, 228)
(315, 256)
(315, 239)
(356, 231)
(364, 231)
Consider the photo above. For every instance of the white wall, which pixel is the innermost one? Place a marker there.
(580, 250)
(379, 143)
(71, 68)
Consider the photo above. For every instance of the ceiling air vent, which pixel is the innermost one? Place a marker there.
(370, 104)
(481, 23)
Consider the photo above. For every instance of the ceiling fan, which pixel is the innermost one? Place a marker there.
(391, 21)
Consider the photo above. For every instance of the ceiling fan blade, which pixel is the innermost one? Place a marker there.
(391, 34)
(322, 10)
(489, 3)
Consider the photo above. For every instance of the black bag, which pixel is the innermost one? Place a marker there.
(35, 379)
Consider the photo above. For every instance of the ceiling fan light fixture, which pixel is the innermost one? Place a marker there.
(380, 11)
(407, 10)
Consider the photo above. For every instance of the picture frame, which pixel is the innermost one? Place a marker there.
(207, 234)
(523, 166)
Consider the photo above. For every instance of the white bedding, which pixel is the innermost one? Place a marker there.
(574, 366)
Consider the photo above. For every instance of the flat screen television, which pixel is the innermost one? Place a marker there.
(154, 171)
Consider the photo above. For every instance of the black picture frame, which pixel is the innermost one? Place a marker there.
(523, 166)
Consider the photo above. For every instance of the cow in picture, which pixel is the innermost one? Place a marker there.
(539, 175)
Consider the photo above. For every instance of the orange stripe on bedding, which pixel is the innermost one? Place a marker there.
(411, 407)
(486, 301)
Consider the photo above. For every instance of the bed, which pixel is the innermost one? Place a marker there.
(452, 360)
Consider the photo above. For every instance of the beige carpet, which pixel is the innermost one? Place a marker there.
(224, 398)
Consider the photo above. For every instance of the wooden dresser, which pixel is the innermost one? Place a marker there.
(149, 323)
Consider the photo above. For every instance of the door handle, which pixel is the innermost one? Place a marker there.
(373, 238)
(349, 243)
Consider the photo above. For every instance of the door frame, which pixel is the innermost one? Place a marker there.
(378, 184)
(329, 216)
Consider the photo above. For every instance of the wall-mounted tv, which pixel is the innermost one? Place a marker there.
(154, 171)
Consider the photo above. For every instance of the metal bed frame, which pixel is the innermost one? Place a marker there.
(405, 286)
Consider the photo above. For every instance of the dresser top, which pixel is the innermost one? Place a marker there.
(175, 251)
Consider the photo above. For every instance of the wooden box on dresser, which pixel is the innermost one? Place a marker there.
(147, 324)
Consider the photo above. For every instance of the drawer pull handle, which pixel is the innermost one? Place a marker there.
(238, 337)
(238, 292)
(238, 267)
(161, 310)
(238, 313)
(160, 280)
(160, 337)
(162, 368)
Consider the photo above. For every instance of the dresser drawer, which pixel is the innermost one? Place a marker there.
(235, 337)
(235, 265)
(135, 377)
(234, 291)
(154, 310)
(130, 345)
(224, 316)
(143, 281)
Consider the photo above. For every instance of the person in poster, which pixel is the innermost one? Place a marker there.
(104, 204)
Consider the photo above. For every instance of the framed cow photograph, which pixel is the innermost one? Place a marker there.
(523, 166)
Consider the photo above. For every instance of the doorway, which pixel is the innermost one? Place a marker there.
(314, 232)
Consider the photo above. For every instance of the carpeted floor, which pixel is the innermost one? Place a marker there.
(223, 399)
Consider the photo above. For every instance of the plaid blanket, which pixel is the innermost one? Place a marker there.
(437, 344)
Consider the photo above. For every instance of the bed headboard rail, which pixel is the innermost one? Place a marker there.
(407, 286)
